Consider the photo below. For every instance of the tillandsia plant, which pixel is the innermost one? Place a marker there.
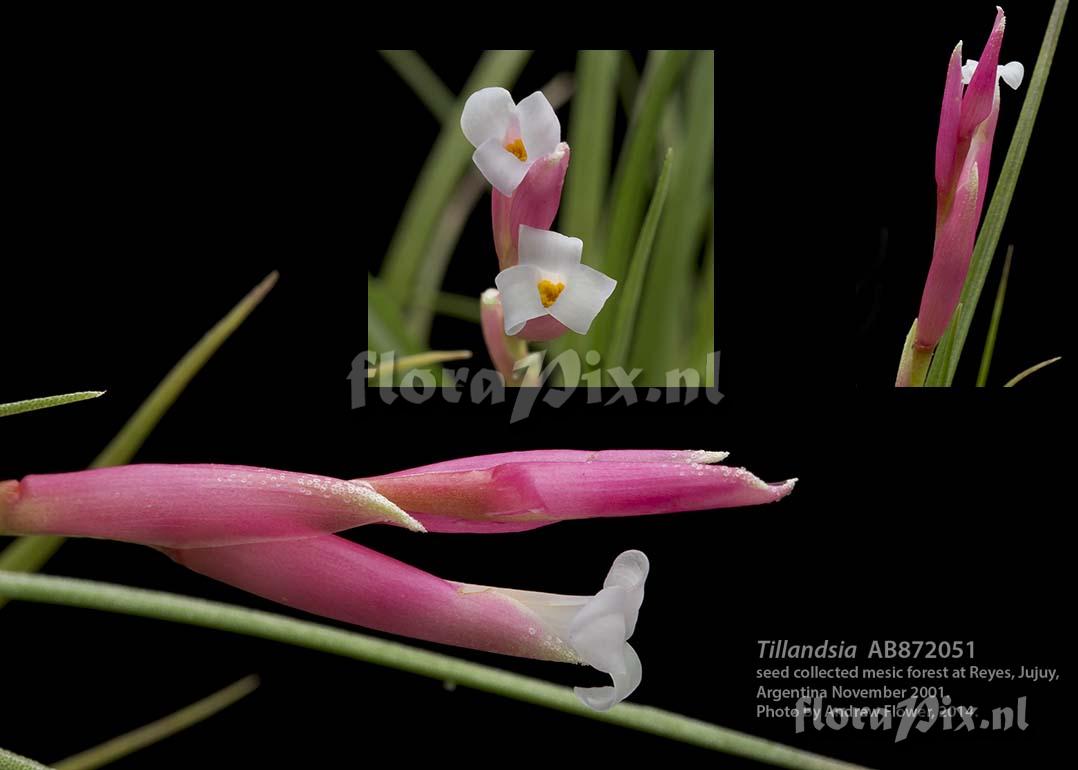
(584, 284)
(270, 533)
(967, 127)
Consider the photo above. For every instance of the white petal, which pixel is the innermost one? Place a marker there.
(967, 71)
(486, 115)
(519, 287)
(586, 291)
(549, 251)
(604, 698)
(539, 125)
(1012, 74)
(630, 571)
(500, 167)
(599, 630)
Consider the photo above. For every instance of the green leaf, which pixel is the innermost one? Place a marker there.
(625, 323)
(315, 636)
(993, 328)
(422, 360)
(666, 312)
(28, 554)
(943, 367)
(1035, 368)
(427, 85)
(446, 164)
(703, 340)
(30, 404)
(628, 81)
(154, 732)
(591, 131)
(631, 178)
(457, 306)
(11, 761)
(385, 326)
(935, 375)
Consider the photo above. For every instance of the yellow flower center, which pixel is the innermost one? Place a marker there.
(549, 291)
(516, 147)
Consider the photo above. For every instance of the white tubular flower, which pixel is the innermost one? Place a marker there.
(1012, 73)
(597, 628)
(508, 137)
(550, 281)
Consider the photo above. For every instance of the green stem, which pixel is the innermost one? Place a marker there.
(314, 636)
(147, 735)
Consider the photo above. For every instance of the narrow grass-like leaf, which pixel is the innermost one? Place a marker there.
(457, 306)
(628, 81)
(936, 375)
(630, 189)
(666, 309)
(12, 761)
(137, 429)
(422, 360)
(45, 402)
(424, 81)
(703, 331)
(625, 322)
(29, 553)
(447, 162)
(993, 327)
(385, 328)
(1035, 368)
(154, 732)
(591, 131)
(447, 232)
(315, 636)
(988, 238)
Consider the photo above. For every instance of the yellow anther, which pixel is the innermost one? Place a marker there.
(549, 292)
(516, 147)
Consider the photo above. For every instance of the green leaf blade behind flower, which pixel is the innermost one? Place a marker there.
(423, 80)
(626, 319)
(667, 323)
(631, 180)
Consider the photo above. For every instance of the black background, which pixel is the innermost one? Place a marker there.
(145, 200)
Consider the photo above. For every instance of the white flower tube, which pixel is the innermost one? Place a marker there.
(596, 628)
